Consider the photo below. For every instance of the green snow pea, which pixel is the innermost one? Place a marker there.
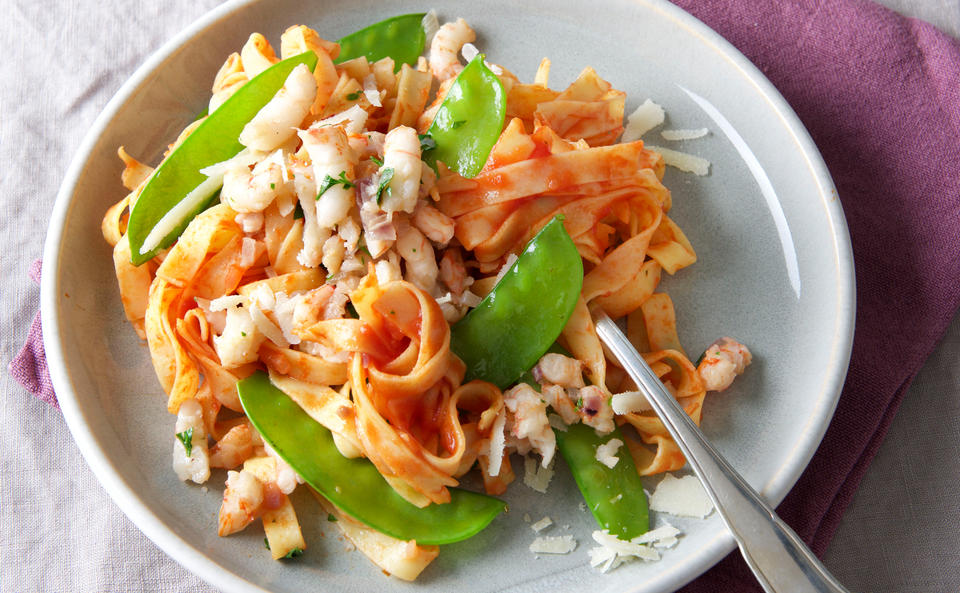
(523, 315)
(215, 140)
(355, 485)
(469, 120)
(401, 38)
(615, 495)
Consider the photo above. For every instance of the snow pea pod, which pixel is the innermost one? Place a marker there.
(615, 495)
(523, 315)
(355, 485)
(469, 120)
(215, 140)
(401, 38)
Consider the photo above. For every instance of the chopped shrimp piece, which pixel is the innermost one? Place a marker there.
(559, 370)
(242, 500)
(233, 448)
(401, 154)
(453, 273)
(240, 340)
(332, 158)
(195, 466)
(417, 253)
(559, 399)
(595, 409)
(446, 45)
(277, 121)
(437, 226)
(249, 191)
(722, 362)
(286, 479)
(528, 422)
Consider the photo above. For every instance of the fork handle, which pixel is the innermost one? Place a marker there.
(781, 562)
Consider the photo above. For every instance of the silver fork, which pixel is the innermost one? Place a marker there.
(779, 559)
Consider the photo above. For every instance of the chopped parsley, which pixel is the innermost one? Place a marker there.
(273, 186)
(266, 544)
(329, 182)
(376, 161)
(331, 518)
(294, 553)
(579, 403)
(243, 333)
(426, 142)
(353, 96)
(385, 176)
(186, 437)
(329, 278)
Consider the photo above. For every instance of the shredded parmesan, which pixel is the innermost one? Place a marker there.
(612, 551)
(645, 118)
(370, 90)
(683, 497)
(683, 161)
(560, 544)
(536, 476)
(607, 453)
(629, 402)
(430, 26)
(542, 524)
(469, 51)
(684, 134)
(497, 444)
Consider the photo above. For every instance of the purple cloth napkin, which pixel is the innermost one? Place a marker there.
(880, 96)
(29, 367)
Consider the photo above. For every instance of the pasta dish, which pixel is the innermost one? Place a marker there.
(353, 230)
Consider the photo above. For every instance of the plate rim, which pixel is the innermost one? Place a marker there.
(193, 559)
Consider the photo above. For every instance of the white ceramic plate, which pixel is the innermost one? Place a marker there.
(774, 270)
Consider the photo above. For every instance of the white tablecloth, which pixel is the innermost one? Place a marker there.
(59, 531)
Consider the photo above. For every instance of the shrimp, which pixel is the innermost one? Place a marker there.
(240, 340)
(334, 162)
(401, 155)
(286, 479)
(558, 398)
(249, 191)
(446, 44)
(722, 362)
(453, 273)
(242, 502)
(528, 422)
(190, 428)
(595, 408)
(437, 226)
(277, 121)
(233, 448)
(559, 369)
(417, 253)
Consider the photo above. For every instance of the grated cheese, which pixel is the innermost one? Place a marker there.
(612, 551)
(542, 524)
(684, 497)
(497, 445)
(607, 452)
(642, 120)
(536, 476)
(683, 161)
(629, 402)
(560, 544)
(684, 134)
(430, 25)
